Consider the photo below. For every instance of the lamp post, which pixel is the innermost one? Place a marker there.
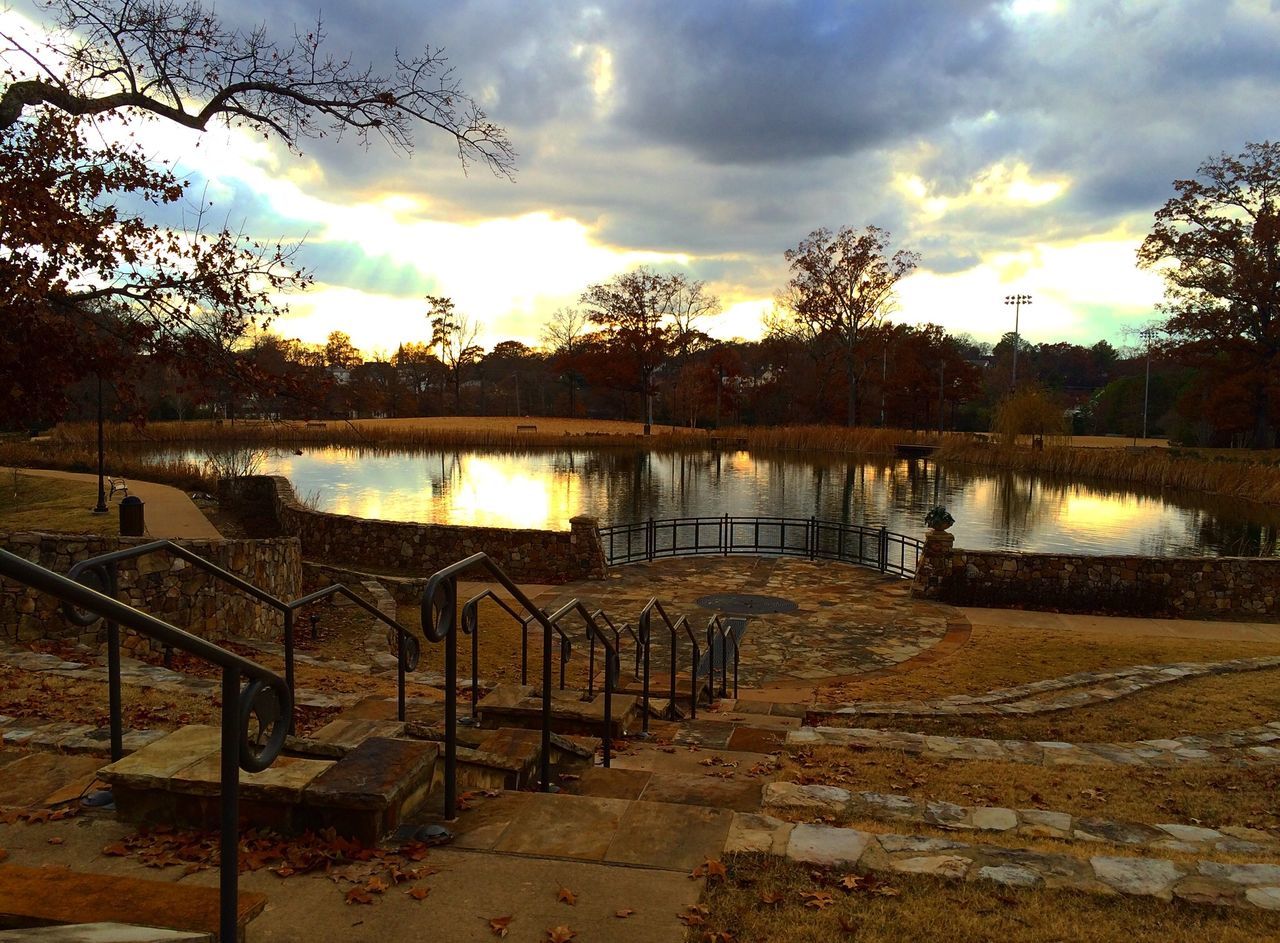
(101, 507)
(1017, 301)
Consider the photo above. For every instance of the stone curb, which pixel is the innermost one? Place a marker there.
(1025, 823)
(1202, 882)
(1254, 746)
(1024, 699)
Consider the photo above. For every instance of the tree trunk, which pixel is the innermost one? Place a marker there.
(1263, 434)
(852, 371)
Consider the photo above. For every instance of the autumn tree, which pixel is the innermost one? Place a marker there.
(841, 284)
(340, 353)
(1217, 245)
(72, 242)
(637, 312)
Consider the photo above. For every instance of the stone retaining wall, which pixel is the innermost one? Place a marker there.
(539, 556)
(160, 584)
(1193, 587)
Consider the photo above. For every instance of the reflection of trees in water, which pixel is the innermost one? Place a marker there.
(621, 485)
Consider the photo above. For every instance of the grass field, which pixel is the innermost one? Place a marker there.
(46, 504)
(765, 900)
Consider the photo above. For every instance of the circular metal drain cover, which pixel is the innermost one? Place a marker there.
(746, 604)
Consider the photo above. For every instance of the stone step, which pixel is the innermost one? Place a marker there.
(666, 835)
(39, 896)
(103, 933)
(38, 779)
(511, 705)
(363, 794)
(703, 788)
(678, 759)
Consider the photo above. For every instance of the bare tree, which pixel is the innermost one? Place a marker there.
(688, 303)
(455, 334)
(562, 336)
(177, 60)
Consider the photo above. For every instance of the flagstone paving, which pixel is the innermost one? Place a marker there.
(848, 620)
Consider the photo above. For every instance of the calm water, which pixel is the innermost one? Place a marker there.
(543, 489)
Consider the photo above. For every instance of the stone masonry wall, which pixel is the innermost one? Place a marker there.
(538, 556)
(1192, 587)
(159, 584)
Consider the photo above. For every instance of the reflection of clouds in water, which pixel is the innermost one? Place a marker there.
(544, 489)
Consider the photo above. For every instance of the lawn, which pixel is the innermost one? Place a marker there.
(28, 503)
(771, 901)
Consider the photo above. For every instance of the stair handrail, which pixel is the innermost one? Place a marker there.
(612, 664)
(715, 626)
(471, 627)
(408, 650)
(265, 700)
(439, 621)
(617, 638)
(646, 621)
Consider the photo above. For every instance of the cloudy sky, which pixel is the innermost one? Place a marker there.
(1018, 146)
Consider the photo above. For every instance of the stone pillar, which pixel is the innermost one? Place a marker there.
(587, 549)
(934, 565)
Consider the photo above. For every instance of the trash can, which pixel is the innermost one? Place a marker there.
(131, 523)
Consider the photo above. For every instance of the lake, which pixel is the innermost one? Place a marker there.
(545, 488)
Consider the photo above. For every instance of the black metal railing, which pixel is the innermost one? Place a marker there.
(254, 718)
(812, 537)
(612, 664)
(439, 621)
(408, 650)
(471, 627)
(617, 644)
(718, 628)
(673, 631)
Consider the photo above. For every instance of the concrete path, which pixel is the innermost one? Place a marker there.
(1125, 627)
(169, 513)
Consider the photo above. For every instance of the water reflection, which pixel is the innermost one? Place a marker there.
(544, 489)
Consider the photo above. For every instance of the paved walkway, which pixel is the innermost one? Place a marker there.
(169, 512)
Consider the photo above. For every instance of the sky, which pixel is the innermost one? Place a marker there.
(1020, 146)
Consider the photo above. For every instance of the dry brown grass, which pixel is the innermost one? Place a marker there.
(1210, 795)
(999, 657)
(423, 432)
(924, 909)
(49, 505)
(186, 476)
(1199, 706)
(1243, 476)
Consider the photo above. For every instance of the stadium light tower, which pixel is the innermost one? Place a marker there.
(1017, 301)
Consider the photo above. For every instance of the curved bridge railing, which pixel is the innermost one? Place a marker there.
(812, 538)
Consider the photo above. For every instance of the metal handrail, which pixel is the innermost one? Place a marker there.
(439, 619)
(646, 618)
(617, 638)
(611, 667)
(471, 627)
(265, 700)
(715, 626)
(813, 538)
(408, 649)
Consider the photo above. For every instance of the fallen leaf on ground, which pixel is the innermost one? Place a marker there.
(623, 912)
(419, 893)
(498, 925)
(358, 895)
(818, 900)
(56, 840)
(711, 869)
(771, 897)
(566, 896)
(560, 934)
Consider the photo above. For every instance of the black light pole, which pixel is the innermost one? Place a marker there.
(1146, 392)
(101, 507)
(1017, 301)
